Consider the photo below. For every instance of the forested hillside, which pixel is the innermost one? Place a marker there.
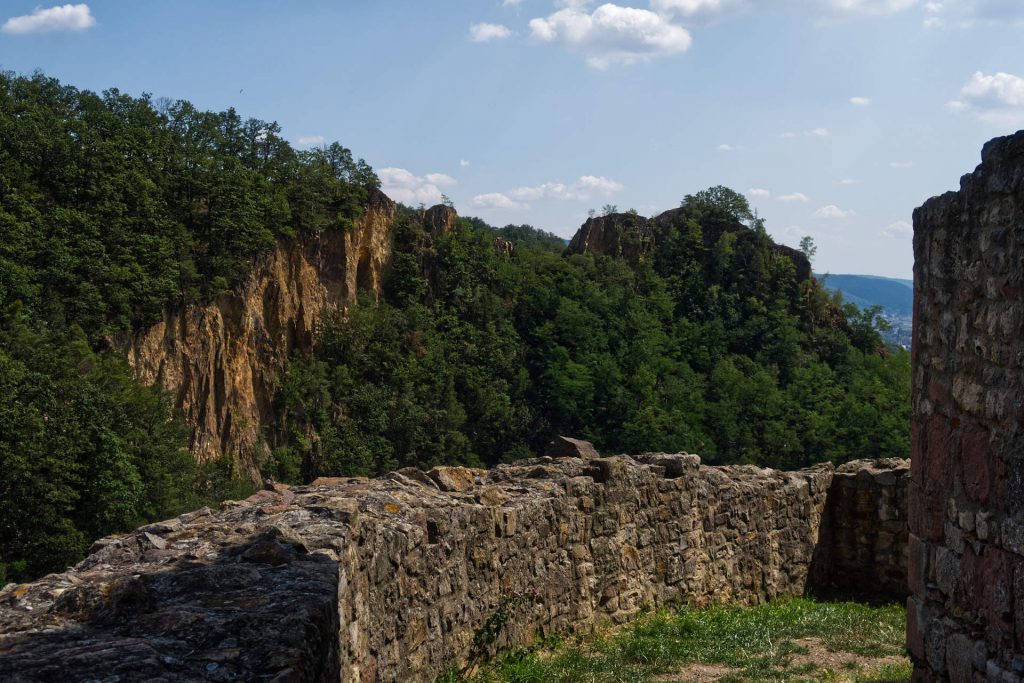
(112, 207)
(709, 343)
(486, 342)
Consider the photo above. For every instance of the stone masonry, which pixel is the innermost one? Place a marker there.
(403, 577)
(865, 532)
(966, 496)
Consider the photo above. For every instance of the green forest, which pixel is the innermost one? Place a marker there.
(474, 356)
(114, 207)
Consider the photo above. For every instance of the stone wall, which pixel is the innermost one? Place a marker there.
(864, 552)
(398, 578)
(966, 497)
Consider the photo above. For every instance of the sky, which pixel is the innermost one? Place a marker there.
(835, 117)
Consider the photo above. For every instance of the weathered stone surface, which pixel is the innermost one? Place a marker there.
(621, 235)
(632, 237)
(965, 493)
(867, 527)
(567, 447)
(389, 579)
(221, 359)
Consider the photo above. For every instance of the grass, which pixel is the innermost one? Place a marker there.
(750, 644)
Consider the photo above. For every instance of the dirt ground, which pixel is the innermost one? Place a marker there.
(837, 667)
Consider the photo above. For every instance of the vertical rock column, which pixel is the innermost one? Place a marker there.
(966, 496)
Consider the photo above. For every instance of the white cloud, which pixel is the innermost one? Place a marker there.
(899, 229)
(812, 133)
(713, 9)
(611, 34)
(463, 163)
(510, 3)
(495, 200)
(860, 101)
(598, 184)
(728, 148)
(697, 9)
(759, 192)
(308, 140)
(863, 7)
(966, 13)
(901, 164)
(484, 32)
(795, 197)
(849, 181)
(440, 179)
(833, 211)
(582, 189)
(996, 99)
(408, 188)
(59, 18)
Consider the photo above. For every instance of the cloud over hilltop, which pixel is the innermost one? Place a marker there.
(60, 18)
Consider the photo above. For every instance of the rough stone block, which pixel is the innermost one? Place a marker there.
(1018, 607)
(917, 565)
(938, 461)
(915, 628)
(567, 447)
(947, 570)
(974, 461)
(960, 658)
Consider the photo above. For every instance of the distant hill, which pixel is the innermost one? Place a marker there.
(894, 295)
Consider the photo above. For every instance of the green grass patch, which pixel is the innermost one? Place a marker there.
(755, 644)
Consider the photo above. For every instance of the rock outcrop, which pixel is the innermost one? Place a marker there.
(966, 495)
(620, 235)
(221, 359)
(632, 237)
(395, 579)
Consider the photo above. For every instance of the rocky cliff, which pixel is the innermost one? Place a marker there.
(395, 579)
(632, 237)
(221, 359)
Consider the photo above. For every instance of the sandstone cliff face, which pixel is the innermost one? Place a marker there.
(221, 359)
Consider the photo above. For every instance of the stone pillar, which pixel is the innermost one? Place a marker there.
(966, 495)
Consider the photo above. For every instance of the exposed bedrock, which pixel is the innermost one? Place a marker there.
(221, 359)
(396, 578)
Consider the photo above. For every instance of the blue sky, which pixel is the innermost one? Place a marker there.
(836, 117)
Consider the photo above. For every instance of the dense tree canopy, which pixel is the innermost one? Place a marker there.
(476, 356)
(111, 208)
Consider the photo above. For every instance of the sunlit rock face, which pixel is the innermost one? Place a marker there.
(221, 359)
(966, 497)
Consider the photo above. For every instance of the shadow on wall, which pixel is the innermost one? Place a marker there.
(862, 553)
(263, 610)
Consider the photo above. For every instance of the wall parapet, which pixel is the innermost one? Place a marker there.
(394, 579)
